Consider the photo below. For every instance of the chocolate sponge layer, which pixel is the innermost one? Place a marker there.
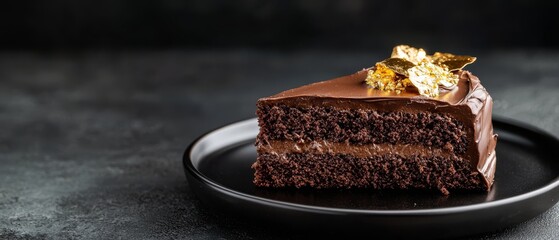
(377, 172)
(360, 126)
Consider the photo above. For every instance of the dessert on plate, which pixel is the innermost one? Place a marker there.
(412, 121)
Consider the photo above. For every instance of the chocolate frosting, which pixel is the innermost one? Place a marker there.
(468, 102)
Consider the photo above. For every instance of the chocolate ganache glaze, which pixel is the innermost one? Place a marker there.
(468, 102)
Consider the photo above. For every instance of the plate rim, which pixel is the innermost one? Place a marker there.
(554, 184)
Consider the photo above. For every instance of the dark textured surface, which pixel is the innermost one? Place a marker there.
(91, 143)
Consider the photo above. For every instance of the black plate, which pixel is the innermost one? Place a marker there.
(218, 170)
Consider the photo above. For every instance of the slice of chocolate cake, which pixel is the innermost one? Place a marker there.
(380, 128)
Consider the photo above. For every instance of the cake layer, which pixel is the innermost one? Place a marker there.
(377, 172)
(361, 126)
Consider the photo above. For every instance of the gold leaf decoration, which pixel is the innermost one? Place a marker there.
(398, 65)
(414, 55)
(451, 61)
(385, 79)
(409, 66)
(422, 78)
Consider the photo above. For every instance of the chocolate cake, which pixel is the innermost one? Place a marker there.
(380, 128)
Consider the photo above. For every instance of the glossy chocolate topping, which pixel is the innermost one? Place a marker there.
(468, 102)
(354, 87)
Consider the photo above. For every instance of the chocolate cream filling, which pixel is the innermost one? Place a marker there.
(359, 151)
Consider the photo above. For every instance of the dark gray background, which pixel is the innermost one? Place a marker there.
(278, 24)
(99, 99)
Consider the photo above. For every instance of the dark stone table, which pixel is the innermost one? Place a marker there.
(91, 142)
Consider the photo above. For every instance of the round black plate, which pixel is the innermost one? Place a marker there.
(218, 170)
